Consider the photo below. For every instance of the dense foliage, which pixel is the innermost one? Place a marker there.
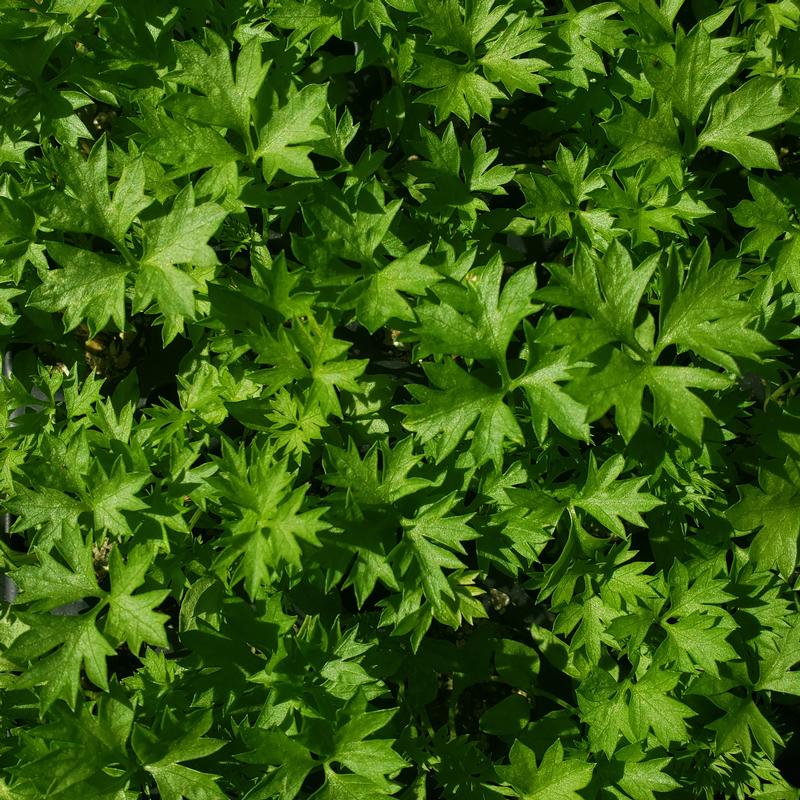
(400, 399)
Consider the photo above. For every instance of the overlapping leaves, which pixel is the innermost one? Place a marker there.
(399, 399)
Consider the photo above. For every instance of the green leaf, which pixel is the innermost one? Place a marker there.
(787, 264)
(377, 299)
(316, 20)
(778, 658)
(370, 758)
(225, 101)
(644, 212)
(347, 786)
(641, 779)
(88, 208)
(51, 584)
(480, 322)
(453, 28)
(754, 106)
(433, 536)
(161, 757)
(502, 63)
(506, 718)
(292, 759)
(454, 89)
(379, 478)
(707, 317)
(131, 617)
(620, 382)
(292, 426)
(652, 138)
(699, 639)
(603, 706)
(268, 524)
(444, 414)
(52, 653)
(766, 213)
(181, 236)
(741, 723)
(590, 633)
(516, 663)
(548, 400)
(178, 237)
(610, 500)
(699, 589)
(176, 782)
(284, 140)
(112, 494)
(13, 152)
(609, 290)
(555, 777)
(702, 65)
(626, 586)
(771, 508)
(172, 289)
(83, 746)
(183, 144)
(378, 380)
(311, 353)
(651, 708)
(7, 315)
(354, 224)
(89, 288)
(579, 31)
(50, 508)
(561, 200)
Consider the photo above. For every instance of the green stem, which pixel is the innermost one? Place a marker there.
(781, 390)
(553, 698)
(126, 254)
(249, 146)
(505, 376)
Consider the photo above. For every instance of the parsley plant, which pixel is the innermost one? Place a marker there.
(400, 399)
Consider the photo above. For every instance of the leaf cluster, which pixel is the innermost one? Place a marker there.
(400, 399)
